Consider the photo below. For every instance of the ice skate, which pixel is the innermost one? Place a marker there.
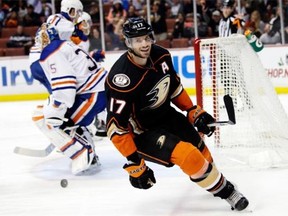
(100, 128)
(237, 201)
(100, 125)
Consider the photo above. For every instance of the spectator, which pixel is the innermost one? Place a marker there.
(2, 17)
(187, 8)
(265, 8)
(176, 8)
(178, 30)
(271, 33)
(203, 11)
(4, 9)
(285, 11)
(188, 26)
(132, 12)
(37, 5)
(116, 17)
(22, 10)
(218, 5)
(143, 13)
(46, 11)
(285, 6)
(94, 12)
(243, 11)
(214, 24)
(158, 20)
(20, 39)
(286, 34)
(31, 18)
(95, 39)
(189, 30)
(202, 26)
(138, 4)
(11, 19)
(255, 24)
(125, 4)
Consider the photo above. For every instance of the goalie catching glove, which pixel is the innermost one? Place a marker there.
(141, 176)
(200, 119)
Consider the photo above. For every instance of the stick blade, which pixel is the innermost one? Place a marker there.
(220, 123)
(34, 152)
(230, 108)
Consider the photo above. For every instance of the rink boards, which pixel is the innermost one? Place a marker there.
(17, 83)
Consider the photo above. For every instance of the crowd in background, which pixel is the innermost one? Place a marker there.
(260, 16)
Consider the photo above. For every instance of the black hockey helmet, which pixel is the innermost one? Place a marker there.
(136, 27)
(228, 3)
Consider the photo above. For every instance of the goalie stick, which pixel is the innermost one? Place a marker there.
(34, 152)
(230, 111)
(39, 152)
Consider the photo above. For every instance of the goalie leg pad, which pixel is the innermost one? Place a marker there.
(76, 147)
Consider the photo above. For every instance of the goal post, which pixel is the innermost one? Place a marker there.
(260, 136)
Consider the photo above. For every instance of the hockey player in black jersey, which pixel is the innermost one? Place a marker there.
(142, 124)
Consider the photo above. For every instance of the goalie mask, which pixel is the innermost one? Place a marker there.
(73, 8)
(45, 35)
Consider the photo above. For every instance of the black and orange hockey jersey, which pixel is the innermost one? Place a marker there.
(139, 97)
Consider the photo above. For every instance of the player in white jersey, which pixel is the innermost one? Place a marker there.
(80, 37)
(64, 22)
(82, 31)
(77, 94)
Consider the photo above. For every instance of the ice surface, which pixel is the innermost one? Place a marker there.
(31, 186)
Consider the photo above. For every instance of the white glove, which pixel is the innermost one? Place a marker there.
(53, 114)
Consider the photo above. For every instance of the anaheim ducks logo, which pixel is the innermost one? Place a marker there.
(121, 80)
(160, 92)
(161, 140)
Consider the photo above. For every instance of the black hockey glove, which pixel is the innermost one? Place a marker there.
(141, 176)
(200, 119)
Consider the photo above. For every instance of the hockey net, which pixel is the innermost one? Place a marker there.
(259, 139)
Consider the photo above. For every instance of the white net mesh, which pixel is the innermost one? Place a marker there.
(259, 138)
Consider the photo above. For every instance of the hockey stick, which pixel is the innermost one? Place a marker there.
(39, 152)
(230, 111)
(34, 152)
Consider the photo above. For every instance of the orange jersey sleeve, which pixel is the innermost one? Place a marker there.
(183, 101)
